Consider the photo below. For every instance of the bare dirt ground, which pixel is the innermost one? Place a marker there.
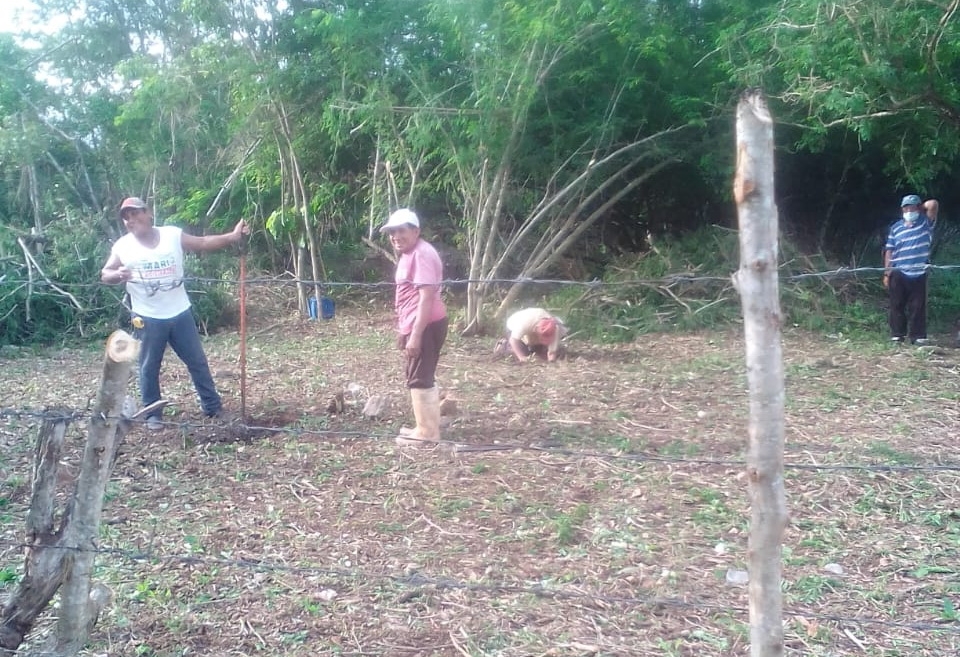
(594, 507)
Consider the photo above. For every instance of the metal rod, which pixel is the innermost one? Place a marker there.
(243, 332)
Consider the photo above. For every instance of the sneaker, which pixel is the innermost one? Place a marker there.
(896, 338)
(154, 423)
(920, 342)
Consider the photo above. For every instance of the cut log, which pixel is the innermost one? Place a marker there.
(122, 348)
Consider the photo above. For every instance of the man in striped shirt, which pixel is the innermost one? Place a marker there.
(906, 255)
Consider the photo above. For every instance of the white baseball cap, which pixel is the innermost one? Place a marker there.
(401, 217)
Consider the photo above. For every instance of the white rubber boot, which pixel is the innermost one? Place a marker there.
(426, 408)
(407, 432)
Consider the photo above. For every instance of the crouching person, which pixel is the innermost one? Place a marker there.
(421, 323)
(534, 333)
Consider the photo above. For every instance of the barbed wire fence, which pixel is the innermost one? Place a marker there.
(667, 279)
(345, 577)
(670, 286)
(412, 583)
(258, 430)
(417, 580)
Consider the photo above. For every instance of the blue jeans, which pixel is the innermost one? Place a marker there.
(181, 333)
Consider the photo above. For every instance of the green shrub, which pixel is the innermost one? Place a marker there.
(71, 256)
(41, 312)
(213, 289)
(684, 283)
(943, 292)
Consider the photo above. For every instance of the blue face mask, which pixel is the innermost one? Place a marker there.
(910, 217)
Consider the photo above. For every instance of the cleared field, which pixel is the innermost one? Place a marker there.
(595, 506)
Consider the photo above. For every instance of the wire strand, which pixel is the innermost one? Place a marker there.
(417, 580)
(249, 432)
(666, 280)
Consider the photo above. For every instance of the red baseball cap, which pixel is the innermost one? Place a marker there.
(547, 328)
(133, 203)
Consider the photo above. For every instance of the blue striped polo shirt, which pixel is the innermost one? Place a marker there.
(910, 246)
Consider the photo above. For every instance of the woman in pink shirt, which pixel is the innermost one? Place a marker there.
(421, 322)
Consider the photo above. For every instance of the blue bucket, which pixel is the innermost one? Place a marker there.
(327, 308)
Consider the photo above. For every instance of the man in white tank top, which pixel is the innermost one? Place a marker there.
(149, 260)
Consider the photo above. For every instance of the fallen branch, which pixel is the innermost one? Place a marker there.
(31, 263)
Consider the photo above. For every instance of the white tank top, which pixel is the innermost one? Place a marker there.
(156, 289)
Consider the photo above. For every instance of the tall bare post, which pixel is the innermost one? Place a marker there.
(243, 329)
(757, 283)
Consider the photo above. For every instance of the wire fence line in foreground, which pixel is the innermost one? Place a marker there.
(416, 580)
(240, 431)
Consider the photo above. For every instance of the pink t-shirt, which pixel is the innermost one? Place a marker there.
(420, 267)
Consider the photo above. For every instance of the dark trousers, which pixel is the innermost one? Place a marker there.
(181, 333)
(421, 372)
(908, 306)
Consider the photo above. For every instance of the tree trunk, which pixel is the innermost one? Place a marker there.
(301, 200)
(63, 558)
(757, 283)
(564, 232)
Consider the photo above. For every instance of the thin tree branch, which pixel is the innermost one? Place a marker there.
(33, 263)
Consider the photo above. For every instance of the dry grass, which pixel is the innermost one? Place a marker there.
(607, 528)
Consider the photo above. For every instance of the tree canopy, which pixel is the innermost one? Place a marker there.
(534, 137)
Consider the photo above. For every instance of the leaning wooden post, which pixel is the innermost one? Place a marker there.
(43, 573)
(757, 283)
(61, 558)
(81, 602)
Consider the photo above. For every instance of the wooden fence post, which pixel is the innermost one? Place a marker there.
(62, 558)
(758, 286)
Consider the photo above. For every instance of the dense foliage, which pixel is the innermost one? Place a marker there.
(559, 138)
